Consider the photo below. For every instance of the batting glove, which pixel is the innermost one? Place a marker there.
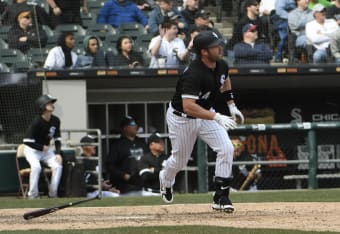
(235, 112)
(225, 121)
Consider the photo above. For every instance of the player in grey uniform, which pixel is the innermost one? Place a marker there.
(43, 128)
(191, 115)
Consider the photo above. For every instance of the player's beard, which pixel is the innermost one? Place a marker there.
(214, 56)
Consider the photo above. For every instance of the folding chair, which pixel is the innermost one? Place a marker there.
(24, 170)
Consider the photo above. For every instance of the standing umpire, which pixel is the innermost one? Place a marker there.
(43, 128)
(191, 114)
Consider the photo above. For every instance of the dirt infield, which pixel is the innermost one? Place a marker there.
(301, 216)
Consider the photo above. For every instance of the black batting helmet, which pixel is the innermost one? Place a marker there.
(43, 100)
(205, 40)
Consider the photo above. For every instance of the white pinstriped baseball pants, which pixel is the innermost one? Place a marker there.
(183, 133)
(34, 157)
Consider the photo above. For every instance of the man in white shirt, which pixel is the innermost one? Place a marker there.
(318, 33)
(167, 50)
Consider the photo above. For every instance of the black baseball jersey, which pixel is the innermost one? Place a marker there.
(201, 83)
(40, 133)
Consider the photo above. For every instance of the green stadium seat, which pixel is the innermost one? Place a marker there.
(3, 44)
(94, 6)
(48, 30)
(37, 56)
(101, 30)
(75, 28)
(4, 68)
(21, 66)
(133, 30)
(11, 56)
(87, 20)
(143, 40)
(4, 32)
(111, 40)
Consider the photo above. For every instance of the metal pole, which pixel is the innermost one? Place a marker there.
(202, 166)
(313, 160)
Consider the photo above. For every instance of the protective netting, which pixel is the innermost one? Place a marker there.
(17, 108)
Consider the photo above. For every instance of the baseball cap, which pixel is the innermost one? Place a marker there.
(249, 28)
(206, 39)
(318, 8)
(154, 137)
(202, 13)
(251, 3)
(87, 139)
(128, 121)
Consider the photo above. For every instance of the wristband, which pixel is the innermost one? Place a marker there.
(228, 95)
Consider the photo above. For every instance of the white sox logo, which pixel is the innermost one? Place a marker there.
(52, 131)
(222, 79)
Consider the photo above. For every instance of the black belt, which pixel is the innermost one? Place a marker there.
(181, 114)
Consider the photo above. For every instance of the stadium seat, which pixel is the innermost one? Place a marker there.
(42, 3)
(108, 48)
(21, 66)
(37, 56)
(94, 6)
(4, 68)
(3, 44)
(101, 30)
(133, 30)
(48, 30)
(11, 56)
(143, 40)
(111, 40)
(87, 20)
(52, 41)
(75, 28)
(4, 32)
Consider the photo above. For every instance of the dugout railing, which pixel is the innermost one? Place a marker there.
(311, 132)
(71, 138)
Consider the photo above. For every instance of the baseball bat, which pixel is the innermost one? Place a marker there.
(44, 211)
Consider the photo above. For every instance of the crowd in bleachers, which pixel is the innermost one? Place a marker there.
(33, 32)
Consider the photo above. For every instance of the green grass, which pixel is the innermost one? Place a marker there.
(320, 195)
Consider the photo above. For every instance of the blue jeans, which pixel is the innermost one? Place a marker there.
(301, 41)
(283, 34)
(320, 56)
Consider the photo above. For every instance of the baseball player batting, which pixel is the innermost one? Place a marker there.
(191, 115)
(43, 128)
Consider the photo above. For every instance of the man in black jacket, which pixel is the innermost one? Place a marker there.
(122, 162)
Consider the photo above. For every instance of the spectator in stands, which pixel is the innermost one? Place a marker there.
(202, 20)
(126, 57)
(94, 56)
(334, 45)
(282, 8)
(62, 56)
(66, 11)
(9, 15)
(144, 5)
(116, 12)
(151, 164)
(160, 14)
(333, 12)
(318, 31)
(251, 17)
(122, 162)
(167, 49)
(191, 7)
(250, 51)
(325, 3)
(91, 170)
(23, 35)
(267, 9)
(297, 20)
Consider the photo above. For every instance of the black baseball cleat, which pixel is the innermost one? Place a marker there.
(166, 193)
(222, 203)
